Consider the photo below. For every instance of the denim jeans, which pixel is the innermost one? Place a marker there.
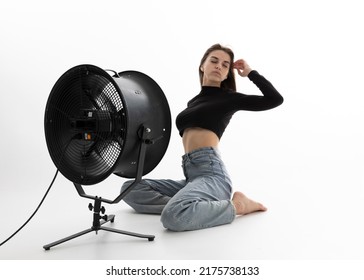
(201, 200)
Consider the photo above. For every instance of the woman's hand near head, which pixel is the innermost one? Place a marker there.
(242, 67)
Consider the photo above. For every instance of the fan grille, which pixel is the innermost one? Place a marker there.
(85, 124)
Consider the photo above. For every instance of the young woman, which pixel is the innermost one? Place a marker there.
(203, 198)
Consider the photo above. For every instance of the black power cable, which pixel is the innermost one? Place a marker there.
(36, 210)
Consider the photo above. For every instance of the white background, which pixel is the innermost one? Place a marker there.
(303, 160)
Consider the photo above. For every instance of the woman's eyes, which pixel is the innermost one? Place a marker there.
(225, 65)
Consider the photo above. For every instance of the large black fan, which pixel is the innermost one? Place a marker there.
(93, 123)
(97, 124)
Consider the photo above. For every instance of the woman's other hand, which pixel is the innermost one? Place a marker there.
(242, 67)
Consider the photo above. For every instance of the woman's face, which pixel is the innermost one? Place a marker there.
(215, 68)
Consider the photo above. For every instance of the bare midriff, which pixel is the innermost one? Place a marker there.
(195, 138)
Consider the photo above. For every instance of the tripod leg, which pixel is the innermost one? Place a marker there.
(111, 219)
(149, 237)
(48, 246)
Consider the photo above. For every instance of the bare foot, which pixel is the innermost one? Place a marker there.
(244, 205)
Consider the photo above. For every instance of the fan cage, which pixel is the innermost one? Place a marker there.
(85, 124)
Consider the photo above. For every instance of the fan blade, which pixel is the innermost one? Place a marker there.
(101, 93)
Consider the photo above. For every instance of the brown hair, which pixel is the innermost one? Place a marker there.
(229, 82)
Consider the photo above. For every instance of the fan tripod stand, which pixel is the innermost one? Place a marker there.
(97, 225)
(97, 208)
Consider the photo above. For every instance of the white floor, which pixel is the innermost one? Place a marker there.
(303, 222)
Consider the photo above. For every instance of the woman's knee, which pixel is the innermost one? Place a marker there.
(133, 194)
(169, 222)
(172, 218)
(126, 185)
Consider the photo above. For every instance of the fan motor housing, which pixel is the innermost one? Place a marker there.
(93, 123)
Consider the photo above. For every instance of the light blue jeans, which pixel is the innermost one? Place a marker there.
(200, 201)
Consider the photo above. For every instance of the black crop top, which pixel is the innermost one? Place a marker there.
(213, 107)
